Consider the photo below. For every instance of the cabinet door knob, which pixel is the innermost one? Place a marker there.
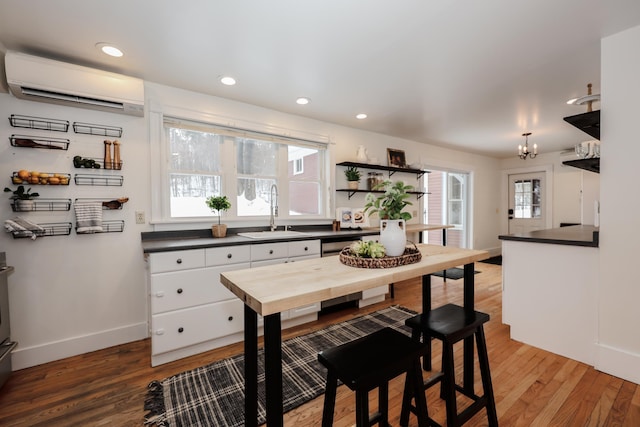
(180, 329)
(179, 290)
(229, 256)
(160, 294)
(179, 260)
(271, 252)
(230, 318)
(306, 248)
(159, 331)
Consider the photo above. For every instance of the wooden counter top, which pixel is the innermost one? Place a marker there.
(276, 288)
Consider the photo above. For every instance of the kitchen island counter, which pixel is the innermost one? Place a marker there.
(575, 235)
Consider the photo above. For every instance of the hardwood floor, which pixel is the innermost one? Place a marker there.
(532, 387)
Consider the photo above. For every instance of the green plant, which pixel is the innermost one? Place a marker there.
(367, 249)
(352, 173)
(390, 204)
(219, 204)
(20, 194)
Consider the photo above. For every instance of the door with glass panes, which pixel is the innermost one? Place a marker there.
(526, 202)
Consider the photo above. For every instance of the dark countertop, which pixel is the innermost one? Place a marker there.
(166, 241)
(575, 235)
(197, 239)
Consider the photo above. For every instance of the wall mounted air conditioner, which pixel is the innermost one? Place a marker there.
(45, 80)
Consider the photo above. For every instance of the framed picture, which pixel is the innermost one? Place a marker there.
(352, 218)
(396, 158)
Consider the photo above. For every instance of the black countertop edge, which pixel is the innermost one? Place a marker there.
(579, 235)
(166, 241)
(206, 232)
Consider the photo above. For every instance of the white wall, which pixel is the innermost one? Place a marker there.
(619, 294)
(78, 293)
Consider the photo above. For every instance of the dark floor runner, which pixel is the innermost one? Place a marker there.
(497, 260)
(453, 273)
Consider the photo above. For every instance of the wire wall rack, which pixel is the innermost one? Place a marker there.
(48, 229)
(107, 227)
(54, 125)
(29, 141)
(41, 205)
(100, 130)
(103, 180)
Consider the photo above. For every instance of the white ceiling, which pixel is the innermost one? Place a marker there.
(469, 74)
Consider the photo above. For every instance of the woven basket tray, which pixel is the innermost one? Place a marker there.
(411, 255)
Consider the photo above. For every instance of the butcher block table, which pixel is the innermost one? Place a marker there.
(270, 290)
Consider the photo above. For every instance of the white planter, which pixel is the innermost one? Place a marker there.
(393, 236)
(353, 185)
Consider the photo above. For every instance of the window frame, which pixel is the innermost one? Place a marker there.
(161, 209)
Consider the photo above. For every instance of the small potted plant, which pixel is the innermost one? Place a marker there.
(218, 204)
(353, 176)
(22, 200)
(389, 208)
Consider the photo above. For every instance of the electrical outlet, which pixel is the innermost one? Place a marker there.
(140, 217)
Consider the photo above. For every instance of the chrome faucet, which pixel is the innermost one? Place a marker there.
(273, 212)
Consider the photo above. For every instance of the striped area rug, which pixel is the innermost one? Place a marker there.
(213, 395)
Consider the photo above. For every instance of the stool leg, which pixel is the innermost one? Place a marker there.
(449, 384)
(422, 412)
(407, 396)
(362, 408)
(483, 361)
(383, 404)
(329, 399)
(417, 335)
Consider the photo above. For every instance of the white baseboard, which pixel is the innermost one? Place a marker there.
(31, 356)
(618, 363)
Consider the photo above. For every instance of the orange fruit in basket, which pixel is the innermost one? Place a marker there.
(23, 174)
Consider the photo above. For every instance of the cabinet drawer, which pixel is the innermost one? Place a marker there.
(176, 260)
(269, 251)
(302, 311)
(170, 331)
(227, 255)
(182, 289)
(304, 247)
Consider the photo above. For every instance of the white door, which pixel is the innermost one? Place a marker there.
(526, 202)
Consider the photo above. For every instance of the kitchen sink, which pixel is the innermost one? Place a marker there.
(272, 234)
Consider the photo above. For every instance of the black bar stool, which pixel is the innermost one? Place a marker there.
(451, 324)
(371, 362)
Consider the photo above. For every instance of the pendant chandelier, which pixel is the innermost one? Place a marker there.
(523, 150)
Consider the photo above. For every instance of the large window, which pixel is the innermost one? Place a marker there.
(206, 161)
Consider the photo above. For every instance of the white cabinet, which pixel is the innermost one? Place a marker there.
(192, 312)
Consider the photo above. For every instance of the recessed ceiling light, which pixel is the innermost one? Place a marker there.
(226, 80)
(109, 49)
(361, 116)
(303, 101)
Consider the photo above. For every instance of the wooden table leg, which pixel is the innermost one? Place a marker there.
(273, 369)
(250, 367)
(469, 295)
(426, 308)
